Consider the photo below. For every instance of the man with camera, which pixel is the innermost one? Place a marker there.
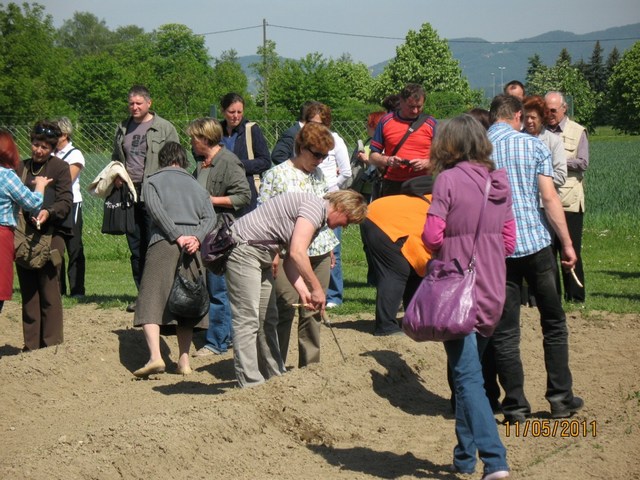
(402, 141)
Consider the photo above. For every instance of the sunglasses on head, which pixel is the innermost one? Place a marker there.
(46, 131)
(317, 155)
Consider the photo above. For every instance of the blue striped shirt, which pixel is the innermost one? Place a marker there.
(15, 195)
(524, 157)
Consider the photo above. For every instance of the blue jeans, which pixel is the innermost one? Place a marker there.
(539, 269)
(476, 429)
(219, 331)
(336, 285)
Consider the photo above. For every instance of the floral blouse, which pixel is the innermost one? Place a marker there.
(287, 178)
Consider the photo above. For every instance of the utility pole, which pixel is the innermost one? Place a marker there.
(502, 69)
(264, 66)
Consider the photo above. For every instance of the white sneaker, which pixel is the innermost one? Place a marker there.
(332, 305)
(496, 475)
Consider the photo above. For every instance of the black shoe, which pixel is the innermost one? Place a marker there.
(132, 307)
(513, 418)
(566, 410)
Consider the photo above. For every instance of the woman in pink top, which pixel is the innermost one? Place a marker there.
(462, 166)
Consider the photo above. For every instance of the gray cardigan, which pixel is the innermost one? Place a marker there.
(178, 205)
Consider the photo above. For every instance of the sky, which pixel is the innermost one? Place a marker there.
(492, 20)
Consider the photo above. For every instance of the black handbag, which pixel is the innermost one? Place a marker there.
(119, 216)
(218, 245)
(188, 298)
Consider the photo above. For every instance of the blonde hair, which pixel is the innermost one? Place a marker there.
(207, 129)
(350, 202)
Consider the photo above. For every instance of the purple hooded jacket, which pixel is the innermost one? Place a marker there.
(457, 199)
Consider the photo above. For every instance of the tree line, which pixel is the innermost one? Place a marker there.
(83, 70)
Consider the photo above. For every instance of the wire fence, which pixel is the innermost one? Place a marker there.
(95, 141)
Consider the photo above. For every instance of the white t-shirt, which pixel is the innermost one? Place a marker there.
(73, 158)
(337, 166)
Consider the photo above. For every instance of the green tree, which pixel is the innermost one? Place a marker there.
(564, 57)
(228, 76)
(84, 34)
(32, 68)
(597, 71)
(427, 60)
(624, 91)
(535, 63)
(572, 83)
(264, 70)
(612, 61)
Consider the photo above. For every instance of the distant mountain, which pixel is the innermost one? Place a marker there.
(479, 58)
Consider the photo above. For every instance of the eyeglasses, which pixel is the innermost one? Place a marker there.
(317, 155)
(46, 131)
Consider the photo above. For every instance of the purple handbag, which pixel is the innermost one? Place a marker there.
(444, 305)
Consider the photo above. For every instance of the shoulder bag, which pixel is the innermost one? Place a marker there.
(444, 305)
(119, 217)
(32, 246)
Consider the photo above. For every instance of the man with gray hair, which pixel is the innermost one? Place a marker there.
(530, 171)
(576, 147)
(137, 144)
(75, 249)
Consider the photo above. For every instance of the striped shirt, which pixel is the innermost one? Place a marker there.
(276, 218)
(524, 157)
(15, 195)
(287, 178)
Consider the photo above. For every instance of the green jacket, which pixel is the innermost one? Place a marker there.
(226, 177)
(160, 132)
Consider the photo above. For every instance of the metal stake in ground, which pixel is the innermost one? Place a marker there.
(326, 321)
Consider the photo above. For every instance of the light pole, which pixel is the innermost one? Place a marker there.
(502, 69)
(493, 83)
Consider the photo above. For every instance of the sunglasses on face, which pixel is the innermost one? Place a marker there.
(46, 131)
(317, 155)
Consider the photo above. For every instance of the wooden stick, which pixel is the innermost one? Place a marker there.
(575, 277)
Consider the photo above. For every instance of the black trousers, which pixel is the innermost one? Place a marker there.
(396, 280)
(75, 252)
(572, 292)
(139, 240)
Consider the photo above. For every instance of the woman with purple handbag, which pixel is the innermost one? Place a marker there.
(471, 221)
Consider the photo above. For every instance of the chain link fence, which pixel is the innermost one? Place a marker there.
(95, 141)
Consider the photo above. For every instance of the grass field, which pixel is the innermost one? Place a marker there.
(611, 244)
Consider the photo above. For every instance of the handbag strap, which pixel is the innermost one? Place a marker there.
(195, 257)
(472, 261)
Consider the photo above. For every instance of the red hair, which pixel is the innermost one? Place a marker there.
(374, 118)
(9, 156)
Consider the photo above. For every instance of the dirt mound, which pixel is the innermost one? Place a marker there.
(75, 411)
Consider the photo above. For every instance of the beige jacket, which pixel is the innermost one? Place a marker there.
(102, 185)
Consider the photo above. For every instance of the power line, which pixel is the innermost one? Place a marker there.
(383, 37)
(228, 31)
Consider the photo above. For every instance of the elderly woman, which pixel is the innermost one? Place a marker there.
(182, 215)
(13, 195)
(40, 288)
(223, 176)
(290, 220)
(302, 174)
(246, 140)
(337, 169)
(65, 150)
(535, 111)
